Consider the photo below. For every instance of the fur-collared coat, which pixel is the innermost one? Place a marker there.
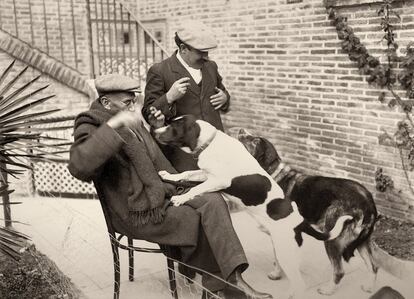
(94, 156)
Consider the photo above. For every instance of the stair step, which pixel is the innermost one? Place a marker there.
(43, 62)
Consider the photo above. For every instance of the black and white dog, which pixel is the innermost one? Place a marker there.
(321, 201)
(225, 165)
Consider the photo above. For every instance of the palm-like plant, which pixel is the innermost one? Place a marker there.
(21, 141)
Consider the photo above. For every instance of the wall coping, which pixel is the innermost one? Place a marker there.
(346, 3)
(43, 62)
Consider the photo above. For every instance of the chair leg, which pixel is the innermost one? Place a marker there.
(171, 277)
(117, 278)
(131, 260)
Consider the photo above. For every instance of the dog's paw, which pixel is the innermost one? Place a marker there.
(275, 274)
(367, 287)
(179, 200)
(328, 289)
(165, 175)
(297, 293)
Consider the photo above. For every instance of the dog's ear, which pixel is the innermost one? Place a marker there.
(270, 154)
(192, 131)
(244, 132)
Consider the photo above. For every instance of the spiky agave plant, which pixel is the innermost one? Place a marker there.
(21, 141)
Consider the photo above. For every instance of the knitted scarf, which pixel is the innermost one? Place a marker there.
(147, 204)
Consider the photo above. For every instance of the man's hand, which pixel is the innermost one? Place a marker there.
(125, 118)
(218, 99)
(156, 119)
(178, 89)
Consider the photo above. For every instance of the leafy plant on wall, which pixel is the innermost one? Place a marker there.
(396, 75)
(21, 141)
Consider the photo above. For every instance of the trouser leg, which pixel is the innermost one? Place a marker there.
(221, 236)
(203, 258)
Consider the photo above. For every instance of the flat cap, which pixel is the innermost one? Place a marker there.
(115, 82)
(197, 35)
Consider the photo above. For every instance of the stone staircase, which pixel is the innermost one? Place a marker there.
(43, 62)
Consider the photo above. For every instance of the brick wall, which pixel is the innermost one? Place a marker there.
(291, 82)
(60, 32)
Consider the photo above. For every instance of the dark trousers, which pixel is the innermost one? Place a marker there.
(219, 250)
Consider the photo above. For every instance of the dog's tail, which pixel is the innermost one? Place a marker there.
(339, 226)
(401, 269)
(307, 228)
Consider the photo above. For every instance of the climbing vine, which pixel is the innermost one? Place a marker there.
(396, 74)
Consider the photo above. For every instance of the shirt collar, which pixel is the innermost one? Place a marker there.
(180, 58)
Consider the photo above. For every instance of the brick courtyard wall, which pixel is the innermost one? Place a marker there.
(71, 47)
(291, 82)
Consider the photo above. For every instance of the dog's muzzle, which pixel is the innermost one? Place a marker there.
(160, 133)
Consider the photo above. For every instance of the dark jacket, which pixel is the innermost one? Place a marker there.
(161, 76)
(94, 156)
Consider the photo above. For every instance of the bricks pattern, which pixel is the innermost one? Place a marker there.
(291, 82)
(40, 24)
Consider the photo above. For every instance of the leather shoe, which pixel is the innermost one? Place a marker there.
(213, 295)
(239, 282)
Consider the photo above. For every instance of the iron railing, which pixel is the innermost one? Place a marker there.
(110, 39)
(55, 27)
(119, 42)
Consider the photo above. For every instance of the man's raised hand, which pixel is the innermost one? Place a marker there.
(125, 118)
(178, 89)
(156, 119)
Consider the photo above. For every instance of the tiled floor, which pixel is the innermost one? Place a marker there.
(73, 234)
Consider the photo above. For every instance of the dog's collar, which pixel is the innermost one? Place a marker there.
(199, 149)
(284, 171)
(280, 172)
(292, 183)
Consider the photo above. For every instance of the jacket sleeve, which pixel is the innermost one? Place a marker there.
(220, 85)
(92, 148)
(155, 94)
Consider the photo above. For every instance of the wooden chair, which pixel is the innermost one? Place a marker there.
(115, 239)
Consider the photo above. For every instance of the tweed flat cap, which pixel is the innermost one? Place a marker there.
(197, 35)
(115, 82)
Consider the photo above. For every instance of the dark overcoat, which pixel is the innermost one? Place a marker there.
(92, 158)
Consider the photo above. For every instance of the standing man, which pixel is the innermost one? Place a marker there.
(187, 83)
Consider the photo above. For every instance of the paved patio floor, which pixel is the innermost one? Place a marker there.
(72, 232)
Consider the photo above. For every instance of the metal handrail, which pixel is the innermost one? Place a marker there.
(108, 19)
(104, 21)
(149, 33)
